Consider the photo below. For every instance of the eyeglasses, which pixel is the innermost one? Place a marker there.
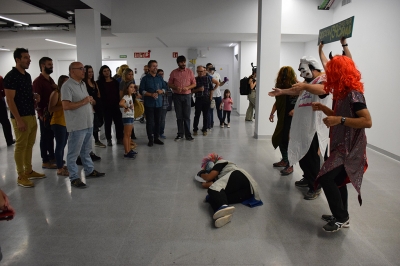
(80, 68)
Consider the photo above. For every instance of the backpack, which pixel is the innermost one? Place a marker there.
(244, 87)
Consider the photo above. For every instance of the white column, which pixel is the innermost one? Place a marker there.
(88, 38)
(268, 62)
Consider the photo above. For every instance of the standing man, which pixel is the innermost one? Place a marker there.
(308, 134)
(78, 113)
(216, 95)
(182, 81)
(21, 101)
(4, 116)
(44, 85)
(203, 93)
(145, 72)
(151, 86)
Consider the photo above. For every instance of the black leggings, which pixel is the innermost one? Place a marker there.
(337, 196)
(310, 163)
(226, 114)
(236, 191)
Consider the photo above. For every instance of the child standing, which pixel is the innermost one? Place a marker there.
(226, 106)
(126, 105)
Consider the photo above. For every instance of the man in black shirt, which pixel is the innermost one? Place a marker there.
(21, 101)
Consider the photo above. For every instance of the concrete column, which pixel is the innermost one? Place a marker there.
(88, 38)
(268, 62)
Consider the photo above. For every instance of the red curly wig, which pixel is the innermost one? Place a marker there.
(342, 77)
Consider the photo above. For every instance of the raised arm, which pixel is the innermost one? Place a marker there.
(345, 47)
(322, 56)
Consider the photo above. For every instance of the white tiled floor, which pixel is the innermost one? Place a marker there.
(150, 211)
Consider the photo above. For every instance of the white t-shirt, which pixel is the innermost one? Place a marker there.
(128, 104)
(217, 92)
(306, 123)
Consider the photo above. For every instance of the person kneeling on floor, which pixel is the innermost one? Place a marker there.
(226, 184)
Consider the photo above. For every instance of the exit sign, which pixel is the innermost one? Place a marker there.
(174, 54)
(123, 56)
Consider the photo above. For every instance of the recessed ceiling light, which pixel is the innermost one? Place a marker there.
(70, 12)
(3, 49)
(16, 21)
(61, 42)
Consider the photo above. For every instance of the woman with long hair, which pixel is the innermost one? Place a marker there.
(252, 96)
(284, 105)
(347, 121)
(94, 91)
(109, 90)
(59, 126)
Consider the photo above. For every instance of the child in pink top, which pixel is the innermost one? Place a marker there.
(226, 106)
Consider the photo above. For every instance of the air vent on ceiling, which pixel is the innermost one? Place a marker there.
(345, 2)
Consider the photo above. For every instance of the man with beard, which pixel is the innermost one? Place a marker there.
(182, 81)
(308, 134)
(44, 85)
(21, 101)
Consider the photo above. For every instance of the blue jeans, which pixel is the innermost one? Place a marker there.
(163, 114)
(61, 136)
(218, 101)
(182, 103)
(79, 143)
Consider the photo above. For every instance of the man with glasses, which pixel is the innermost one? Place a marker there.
(182, 81)
(78, 113)
(21, 101)
(203, 94)
(216, 95)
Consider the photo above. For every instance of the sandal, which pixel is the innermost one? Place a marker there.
(64, 172)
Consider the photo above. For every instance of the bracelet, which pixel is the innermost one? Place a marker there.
(345, 44)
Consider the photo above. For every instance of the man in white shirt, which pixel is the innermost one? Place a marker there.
(216, 96)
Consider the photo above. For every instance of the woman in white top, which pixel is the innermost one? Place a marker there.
(127, 108)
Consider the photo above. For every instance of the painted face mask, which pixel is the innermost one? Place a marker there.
(305, 71)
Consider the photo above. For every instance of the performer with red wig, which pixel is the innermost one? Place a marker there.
(348, 119)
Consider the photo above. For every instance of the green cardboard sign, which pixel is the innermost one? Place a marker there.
(336, 31)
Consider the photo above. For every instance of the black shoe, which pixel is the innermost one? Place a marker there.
(120, 142)
(96, 174)
(328, 218)
(109, 142)
(133, 137)
(159, 142)
(301, 183)
(79, 161)
(178, 138)
(150, 144)
(312, 194)
(78, 183)
(190, 138)
(94, 157)
(335, 225)
(141, 120)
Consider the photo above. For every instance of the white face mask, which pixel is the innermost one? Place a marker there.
(305, 71)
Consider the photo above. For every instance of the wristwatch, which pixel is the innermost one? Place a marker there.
(342, 120)
(345, 44)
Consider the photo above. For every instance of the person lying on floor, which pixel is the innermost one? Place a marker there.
(227, 184)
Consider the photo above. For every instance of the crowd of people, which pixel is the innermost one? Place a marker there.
(73, 111)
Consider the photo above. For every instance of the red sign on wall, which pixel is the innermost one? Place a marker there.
(142, 55)
(174, 54)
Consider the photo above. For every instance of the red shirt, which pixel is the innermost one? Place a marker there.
(182, 78)
(43, 87)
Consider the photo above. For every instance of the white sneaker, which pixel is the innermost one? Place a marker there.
(223, 220)
(228, 125)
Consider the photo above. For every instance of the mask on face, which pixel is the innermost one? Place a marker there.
(48, 70)
(305, 71)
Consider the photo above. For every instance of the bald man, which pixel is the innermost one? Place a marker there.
(78, 113)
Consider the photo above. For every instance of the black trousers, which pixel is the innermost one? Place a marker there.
(236, 191)
(152, 122)
(46, 142)
(113, 114)
(337, 196)
(310, 163)
(202, 105)
(5, 122)
(226, 114)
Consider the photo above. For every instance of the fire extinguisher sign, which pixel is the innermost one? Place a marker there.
(174, 54)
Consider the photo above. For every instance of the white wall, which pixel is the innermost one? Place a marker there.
(374, 47)
(291, 52)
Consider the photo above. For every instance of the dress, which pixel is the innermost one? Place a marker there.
(348, 145)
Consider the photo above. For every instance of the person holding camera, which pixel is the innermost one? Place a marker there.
(252, 96)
